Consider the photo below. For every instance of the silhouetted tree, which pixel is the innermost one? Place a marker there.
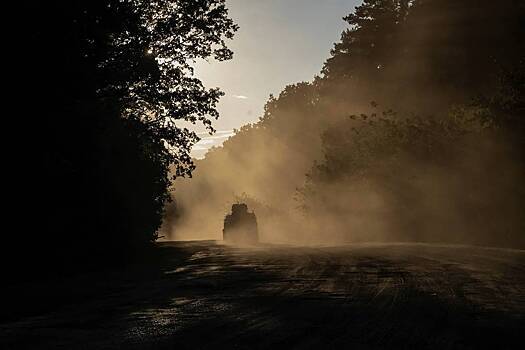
(102, 89)
(367, 46)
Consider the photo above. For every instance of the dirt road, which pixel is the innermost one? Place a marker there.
(207, 295)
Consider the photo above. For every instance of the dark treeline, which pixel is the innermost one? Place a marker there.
(413, 131)
(100, 89)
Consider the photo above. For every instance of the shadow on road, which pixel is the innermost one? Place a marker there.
(201, 295)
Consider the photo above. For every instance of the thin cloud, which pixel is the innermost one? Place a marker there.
(217, 133)
(209, 141)
(200, 149)
(240, 97)
(205, 142)
(197, 148)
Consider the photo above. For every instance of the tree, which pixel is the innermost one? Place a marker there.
(370, 41)
(101, 89)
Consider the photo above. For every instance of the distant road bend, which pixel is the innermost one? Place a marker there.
(207, 295)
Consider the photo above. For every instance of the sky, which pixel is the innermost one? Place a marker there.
(279, 42)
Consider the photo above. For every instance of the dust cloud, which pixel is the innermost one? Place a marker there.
(434, 158)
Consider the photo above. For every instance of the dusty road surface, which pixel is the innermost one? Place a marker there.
(210, 296)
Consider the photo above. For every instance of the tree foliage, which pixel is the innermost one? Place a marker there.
(456, 178)
(104, 87)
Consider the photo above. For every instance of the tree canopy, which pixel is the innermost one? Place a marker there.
(102, 89)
